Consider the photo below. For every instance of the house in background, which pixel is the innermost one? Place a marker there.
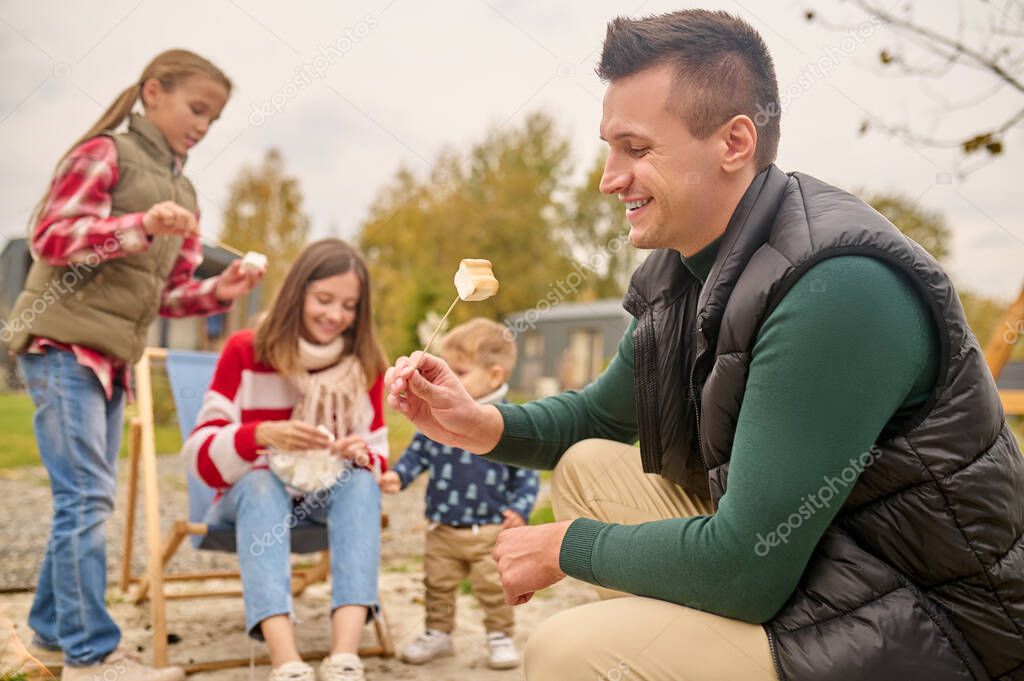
(187, 333)
(566, 346)
(1011, 388)
(1012, 376)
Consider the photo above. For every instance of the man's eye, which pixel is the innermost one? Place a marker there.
(636, 152)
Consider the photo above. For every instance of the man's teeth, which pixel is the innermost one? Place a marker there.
(633, 205)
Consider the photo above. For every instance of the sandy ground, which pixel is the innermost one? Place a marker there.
(213, 628)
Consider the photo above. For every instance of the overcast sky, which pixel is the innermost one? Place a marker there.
(402, 79)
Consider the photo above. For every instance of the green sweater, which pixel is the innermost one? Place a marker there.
(850, 347)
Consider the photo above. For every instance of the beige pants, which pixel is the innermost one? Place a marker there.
(451, 554)
(630, 638)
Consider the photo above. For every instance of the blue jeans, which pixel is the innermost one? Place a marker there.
(262, 512)
(78, 432)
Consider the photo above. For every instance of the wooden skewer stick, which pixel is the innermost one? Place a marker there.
(221, 244)
(433, 335)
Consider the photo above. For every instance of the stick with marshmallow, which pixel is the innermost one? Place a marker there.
(474, 281)
(254, 262)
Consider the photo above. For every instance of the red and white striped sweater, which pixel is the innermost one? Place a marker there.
(222, 447)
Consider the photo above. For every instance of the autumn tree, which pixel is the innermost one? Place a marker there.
(264, 213)
(508, 199)
(924, 226)
(930, 230)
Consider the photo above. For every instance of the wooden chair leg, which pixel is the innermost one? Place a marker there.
(1000, 344)
(317, 573)
(151, 499)
(178, 533)
(261, 661)
(134, 449)
(387, 644)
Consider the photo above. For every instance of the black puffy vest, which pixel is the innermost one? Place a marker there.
(921, 574)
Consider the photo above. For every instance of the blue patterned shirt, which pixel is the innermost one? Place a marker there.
(466, 489)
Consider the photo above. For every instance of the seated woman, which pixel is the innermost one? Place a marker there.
(307, 381)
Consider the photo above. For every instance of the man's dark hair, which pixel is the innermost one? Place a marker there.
(722, 69)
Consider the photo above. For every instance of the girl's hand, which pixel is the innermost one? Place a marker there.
(434, 399)
(353, 448)
(169, 218)
(289, 436)
(236, 281)
(390, 483)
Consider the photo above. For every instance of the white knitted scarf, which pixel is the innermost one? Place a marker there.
(332, 393)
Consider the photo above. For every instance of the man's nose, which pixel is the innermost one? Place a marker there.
(616, 177)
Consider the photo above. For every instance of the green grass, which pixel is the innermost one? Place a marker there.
(542, 514)
(19, 442)
(400, 432)
(18, 447)
(13, 676)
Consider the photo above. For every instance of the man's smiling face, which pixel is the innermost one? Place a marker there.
(663, 174)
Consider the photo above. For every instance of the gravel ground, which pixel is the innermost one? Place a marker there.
(212, 628)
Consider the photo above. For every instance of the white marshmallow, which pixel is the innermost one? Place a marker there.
(255, 262)
(475, 280)
(323, 429)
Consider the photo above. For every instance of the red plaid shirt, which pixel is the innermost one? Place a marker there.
(76, 224)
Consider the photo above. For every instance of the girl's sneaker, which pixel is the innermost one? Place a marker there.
(46, 652)
(342, 667)
(502, 651)
(430, 645)
(123, 667)
(292, 671)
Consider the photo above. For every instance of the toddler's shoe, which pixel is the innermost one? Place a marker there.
(502, 651)
(430, 645)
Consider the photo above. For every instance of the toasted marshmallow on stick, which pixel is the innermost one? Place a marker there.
(254, 262)
(475, 280)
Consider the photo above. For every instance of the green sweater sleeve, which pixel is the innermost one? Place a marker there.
(538, 433)
(848, 347)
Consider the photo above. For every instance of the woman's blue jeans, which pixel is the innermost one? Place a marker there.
(263, 513)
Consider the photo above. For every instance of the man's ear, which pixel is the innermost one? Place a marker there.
(739, 140)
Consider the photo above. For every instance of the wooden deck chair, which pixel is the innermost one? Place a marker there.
(190, 374)
(999, 349)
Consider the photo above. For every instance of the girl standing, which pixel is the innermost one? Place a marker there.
(116, 242)
(313, 361)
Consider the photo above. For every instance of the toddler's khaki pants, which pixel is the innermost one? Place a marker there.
(452, 553)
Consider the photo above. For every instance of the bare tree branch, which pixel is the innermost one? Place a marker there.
(938, 39)
(989, 45)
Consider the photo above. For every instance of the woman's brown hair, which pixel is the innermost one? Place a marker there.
(277, 334)
(170, 68)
